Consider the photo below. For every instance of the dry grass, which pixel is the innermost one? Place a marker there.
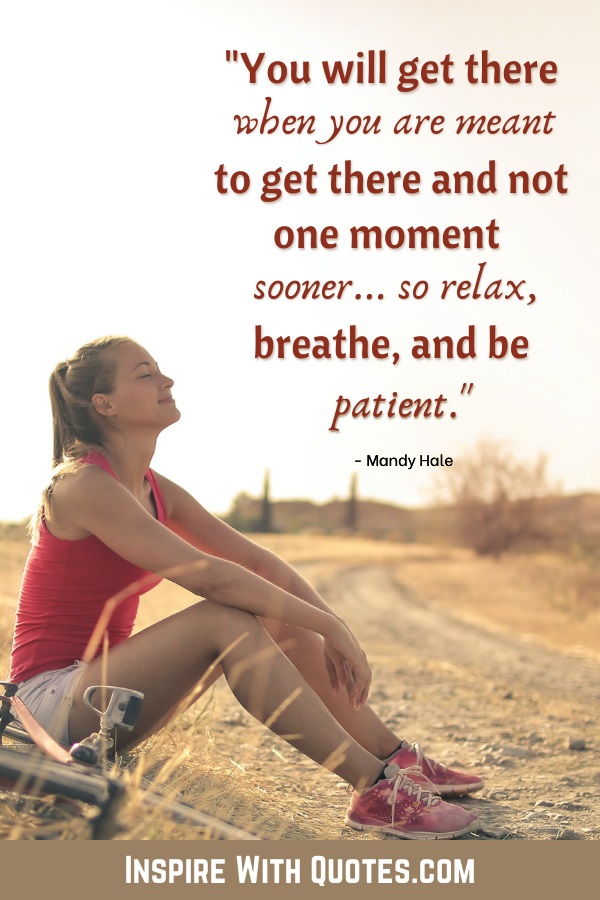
(220, 765)
(551, 598)
(546, 598)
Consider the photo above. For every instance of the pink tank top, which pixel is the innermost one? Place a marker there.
(64, 588)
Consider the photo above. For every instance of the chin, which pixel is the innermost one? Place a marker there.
(174, 416)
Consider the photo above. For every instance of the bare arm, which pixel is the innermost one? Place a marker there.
(97, 504)
(203, 530)
(207, 532)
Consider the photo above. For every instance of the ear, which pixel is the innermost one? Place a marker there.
(103, 405)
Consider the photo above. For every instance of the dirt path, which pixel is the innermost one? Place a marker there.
(371, 593)
(473, 696)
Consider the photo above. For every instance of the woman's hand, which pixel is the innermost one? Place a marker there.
(346, 663)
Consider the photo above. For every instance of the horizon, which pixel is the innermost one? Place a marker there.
(554, 494)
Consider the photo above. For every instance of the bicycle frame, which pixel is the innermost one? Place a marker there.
(48, 768)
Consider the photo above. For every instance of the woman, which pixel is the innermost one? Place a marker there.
(109, 526)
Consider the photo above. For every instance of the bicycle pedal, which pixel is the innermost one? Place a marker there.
(123, 708)
(85, 754)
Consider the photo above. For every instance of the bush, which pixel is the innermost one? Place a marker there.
(497, 498)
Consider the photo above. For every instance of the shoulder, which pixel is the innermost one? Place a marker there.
(77, 476)
(73, 490)
(86, 477)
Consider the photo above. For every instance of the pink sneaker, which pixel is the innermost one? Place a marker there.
(446, 782)
(405, 809)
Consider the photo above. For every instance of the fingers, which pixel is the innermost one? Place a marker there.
(333, 679)
(361, 683)
(360, 673)
(347, 666)
(342, 672)
(336, 667)
(354, 687)
(358, 685)
(365, 692)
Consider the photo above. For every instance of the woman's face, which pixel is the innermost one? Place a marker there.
(141, 395)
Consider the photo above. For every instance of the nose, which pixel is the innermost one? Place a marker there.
(169, 382)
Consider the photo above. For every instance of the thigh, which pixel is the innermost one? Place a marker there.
(166, 662)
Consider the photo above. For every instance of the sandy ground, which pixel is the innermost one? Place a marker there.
(475, 697)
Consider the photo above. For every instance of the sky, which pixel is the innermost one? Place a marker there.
(116, 117)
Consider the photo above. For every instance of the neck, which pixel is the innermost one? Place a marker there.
(130, 456)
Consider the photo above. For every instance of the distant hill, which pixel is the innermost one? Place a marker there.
(565, 521)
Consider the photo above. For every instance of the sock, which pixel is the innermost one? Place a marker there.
(400, 746)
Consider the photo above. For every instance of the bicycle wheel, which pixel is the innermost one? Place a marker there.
(28, 773)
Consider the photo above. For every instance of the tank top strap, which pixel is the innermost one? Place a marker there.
(159, 500)
(94, 458)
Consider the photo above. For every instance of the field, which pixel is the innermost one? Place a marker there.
(491, 665)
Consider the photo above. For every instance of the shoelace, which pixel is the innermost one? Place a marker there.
(422, 758)
(403, 782)
(417, 769)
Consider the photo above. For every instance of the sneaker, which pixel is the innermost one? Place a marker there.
(446, 782)
(405, 809)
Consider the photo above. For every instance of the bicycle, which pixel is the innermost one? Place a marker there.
(36, 765)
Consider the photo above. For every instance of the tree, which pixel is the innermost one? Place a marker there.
(266, 519)
(253, 514)
(243, 513)
(497, 497)
(352, 507)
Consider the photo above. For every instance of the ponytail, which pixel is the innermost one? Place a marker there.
(62, 425)
(75, 422)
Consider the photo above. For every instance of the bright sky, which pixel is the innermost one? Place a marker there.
(115, 117)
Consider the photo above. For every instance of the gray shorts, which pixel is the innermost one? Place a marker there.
(49, 697)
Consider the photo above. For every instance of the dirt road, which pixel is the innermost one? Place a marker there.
(522, 715)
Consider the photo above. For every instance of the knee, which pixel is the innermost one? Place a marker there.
(227, 623)
(293, 641)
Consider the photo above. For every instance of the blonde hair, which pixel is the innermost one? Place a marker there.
(75, 422)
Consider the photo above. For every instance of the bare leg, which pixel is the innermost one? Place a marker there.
(166, 660)
(305, 650)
